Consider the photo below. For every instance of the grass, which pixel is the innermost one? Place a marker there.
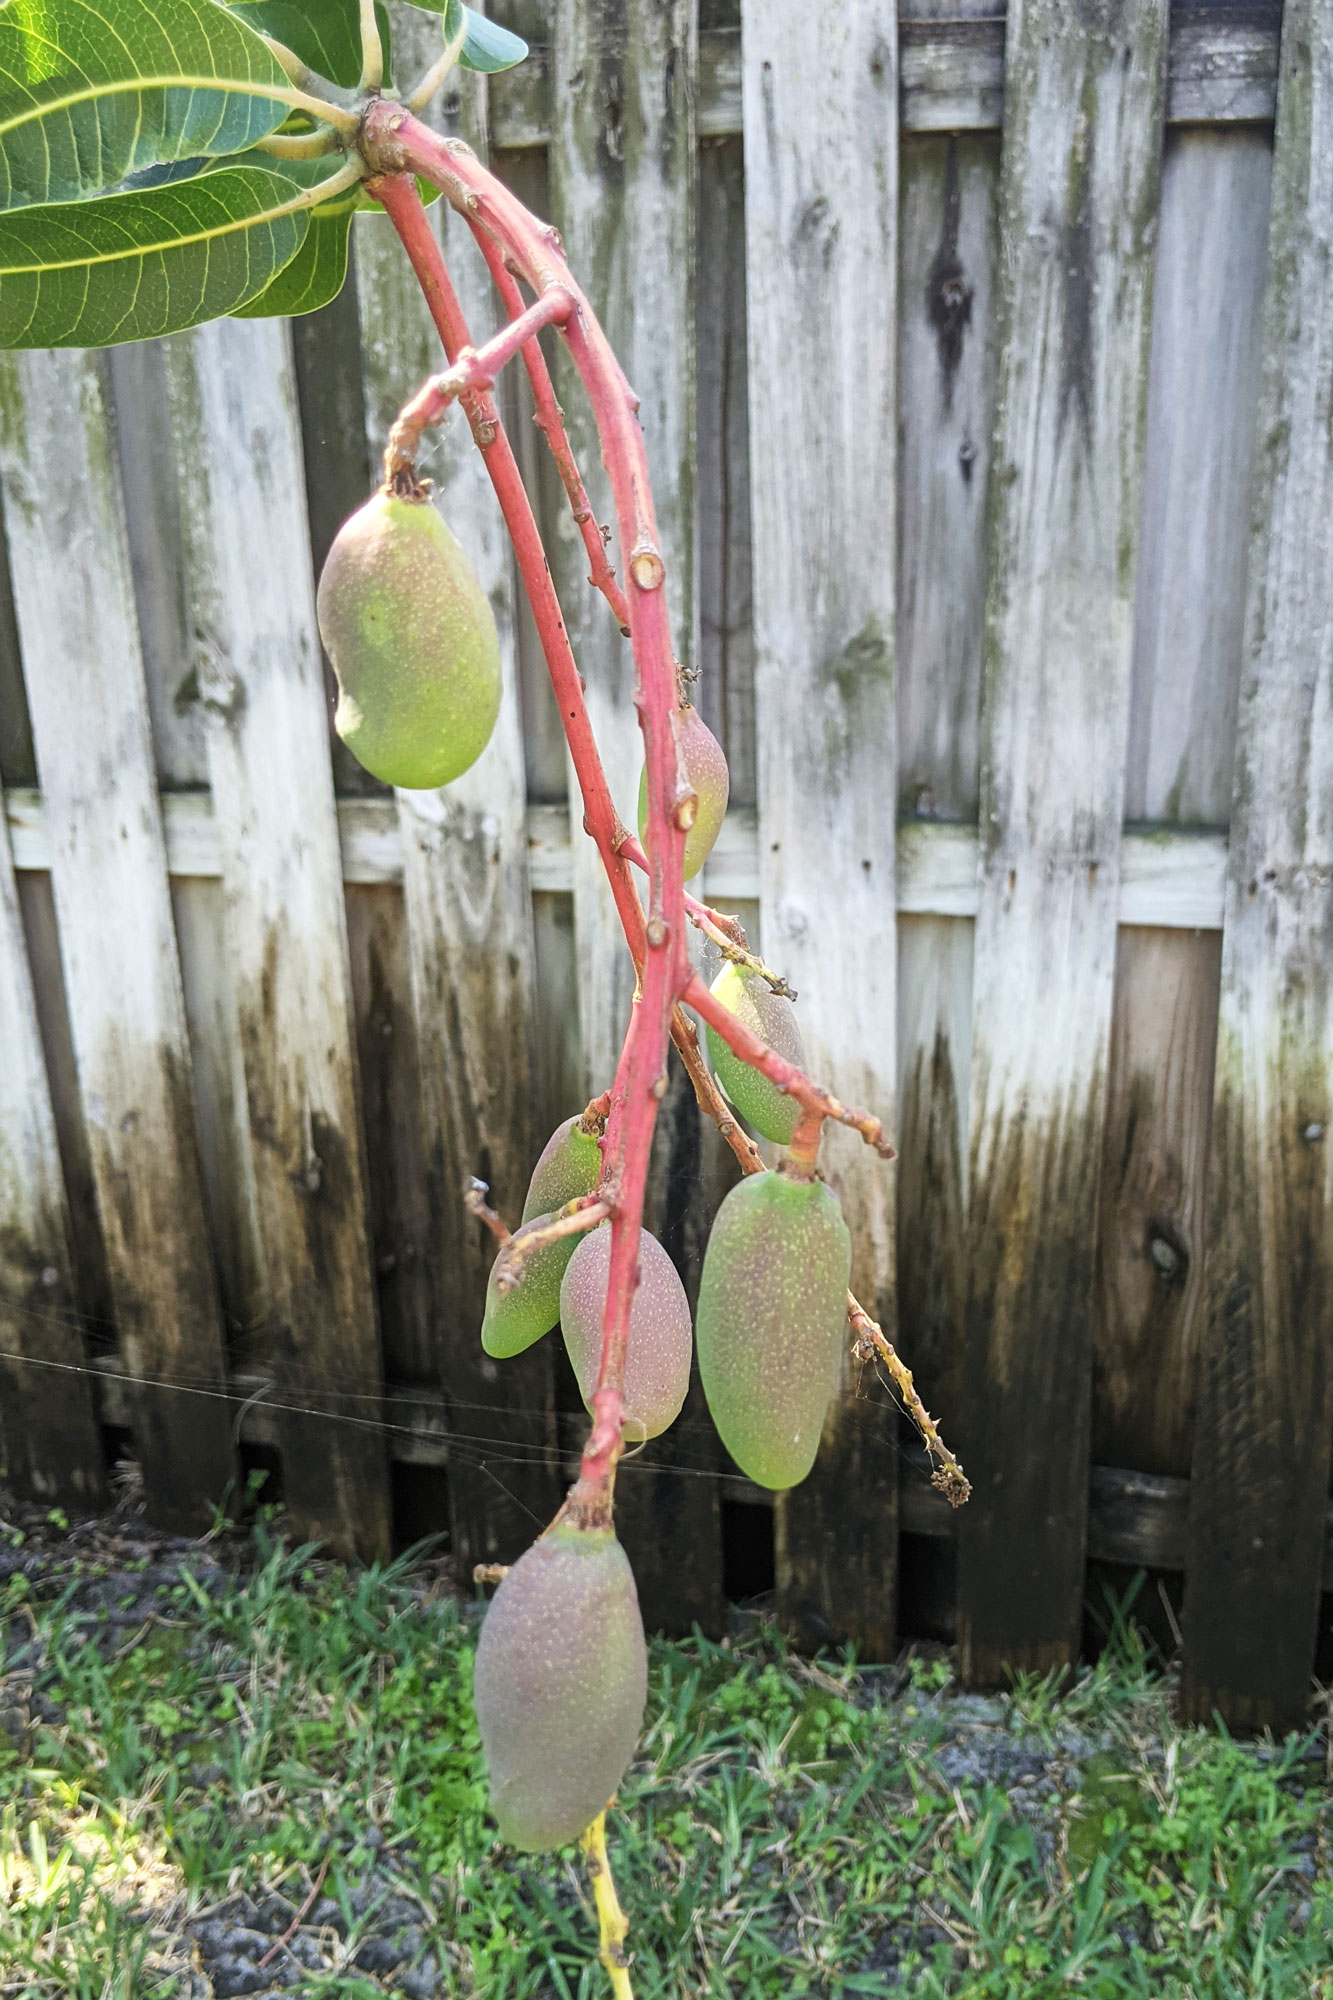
(791, 1828)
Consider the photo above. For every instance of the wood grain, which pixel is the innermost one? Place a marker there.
(256, 654)
(1078, 202)
(820, 103)
(76, 617)
(1259, 1480)
(1188, 641)
(52, 1450)
(469, 920)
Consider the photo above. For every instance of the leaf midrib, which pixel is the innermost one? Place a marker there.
(298, 100)
(311, 198)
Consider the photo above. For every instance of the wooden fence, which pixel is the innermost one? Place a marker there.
(986, 368)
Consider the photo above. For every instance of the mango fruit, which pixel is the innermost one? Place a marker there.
(705, 765)
(771, 1016)
(413, 642)
(560, 1681)
(657, 1357)
(514, 1319)
(569, 1164)
(772, 1322)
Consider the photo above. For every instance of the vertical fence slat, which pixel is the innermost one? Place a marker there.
(623, 175)
(821, 154)
(1078, 201)
(1260, 1474)
(1188, 633)
(52, 1450)
(84, 672)
(469, 922)
(257, 658)
(946, 398)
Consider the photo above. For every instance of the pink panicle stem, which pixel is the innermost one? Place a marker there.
(640, 1080)
(550, 421)
(475, 368)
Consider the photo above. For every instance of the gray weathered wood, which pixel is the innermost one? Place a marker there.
(469, 917)
(1261, 1461)
(257, 660)
(1173, 877)
(179, 720)
(820, 95)
(1188, 628)
(52, 1450)
(1223, 71)
(726, 637)
(1078, 203)
(80, 641)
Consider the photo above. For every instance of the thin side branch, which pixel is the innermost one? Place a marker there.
(787, 1077)
(551, 423)
(948, 1477)
(572, 1220)
(612, 1923)
(475, 369)
(475, 1202)
(441, 68)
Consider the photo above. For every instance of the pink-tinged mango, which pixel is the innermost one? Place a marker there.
(560, 1682)
(413, 642)
(657, 1357)
(705, 766)
(771, 1016)
(772, 1322)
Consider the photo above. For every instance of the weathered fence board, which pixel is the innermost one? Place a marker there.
(469, 924)
(257, 661)
(52, 1450)
(1261, 1461)
(75, 604)
(1079, 178)
(946, 390)
(1223, 70)
(820, 95)
(1188, 623)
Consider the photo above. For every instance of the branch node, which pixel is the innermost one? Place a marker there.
(646, 567)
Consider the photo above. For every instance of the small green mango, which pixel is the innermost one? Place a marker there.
(413, 643)
(705, 765)
(560, 1681)
(513, 1320)
(657, 1355)
(569, 1165)
(772, 1017)
(771, 1323)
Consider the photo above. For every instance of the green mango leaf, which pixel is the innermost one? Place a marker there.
(132, 266)
(326, 34)
(487, 46)
(92, 91)
(318, 271)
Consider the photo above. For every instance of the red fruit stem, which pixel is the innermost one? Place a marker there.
(551, 423)
(475, 368)
(779, 1071)
(640, 1080)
